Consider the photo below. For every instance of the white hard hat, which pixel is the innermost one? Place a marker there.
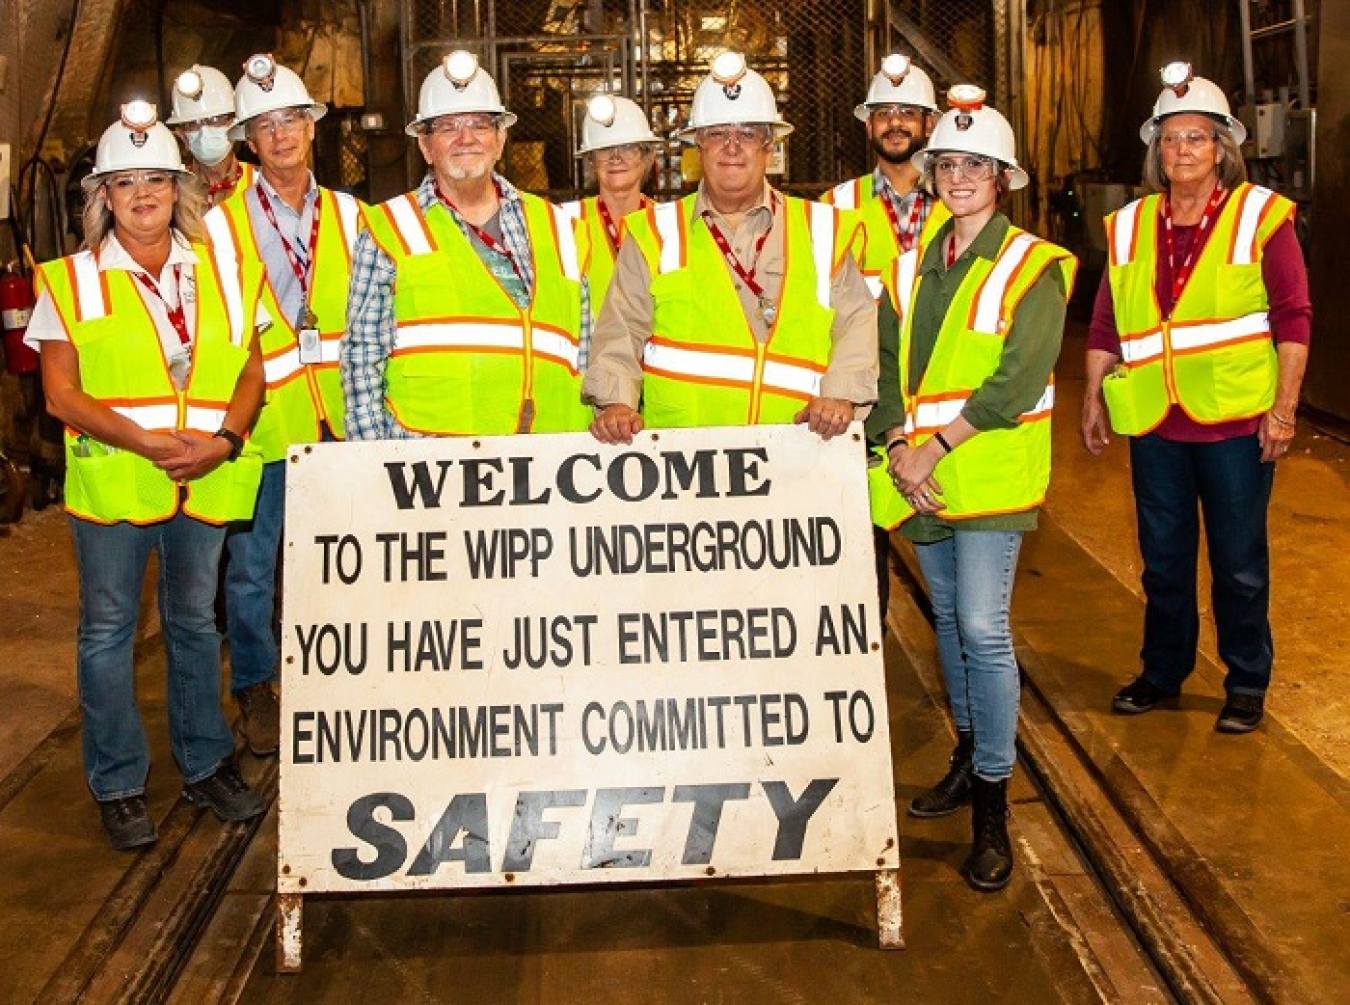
(733, 93)
(266, 86)
(1183, 92)
(138, 142)
(900, 82)
(972, 127)
(457, 85)
(613, 121)
(200, 92)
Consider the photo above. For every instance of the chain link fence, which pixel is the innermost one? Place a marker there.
(550, 56)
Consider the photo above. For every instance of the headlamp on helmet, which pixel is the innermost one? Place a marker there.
(727, 69)
(602, 109)
(966, 97)
(1178, 77)
(896, 68)
(460, 67)
(261, 68)
(190, 84)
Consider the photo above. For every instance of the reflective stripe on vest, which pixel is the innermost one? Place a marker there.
(486, 336)
(1189, 336)
(930, 415)
(846, 195)
(152, 417)
(1256, 202)
(737, 369)
(986, 316)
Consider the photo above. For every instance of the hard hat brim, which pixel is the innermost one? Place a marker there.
(1234, 125)
(317, 110)
(94, 179)
(780, 129)
(863, 112)
(654, 142)
(1017, 179)
(414, 128)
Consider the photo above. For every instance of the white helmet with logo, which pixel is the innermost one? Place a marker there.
(613, 121)
(138, 142)
(1184, 92)
(900, 82)
(266, 86)
(972, 127)
(732, 93)
(458, 85)
(200, 92)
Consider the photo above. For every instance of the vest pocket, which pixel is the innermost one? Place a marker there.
(104, 484)
(1243, 378)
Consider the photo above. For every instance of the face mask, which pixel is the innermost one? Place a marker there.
(210, 144)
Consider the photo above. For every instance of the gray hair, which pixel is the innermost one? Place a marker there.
(1231, 169)
(187, 211)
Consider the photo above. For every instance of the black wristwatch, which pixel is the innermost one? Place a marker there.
(235, 441)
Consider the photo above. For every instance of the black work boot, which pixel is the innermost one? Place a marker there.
(990, 864)
(953, 792)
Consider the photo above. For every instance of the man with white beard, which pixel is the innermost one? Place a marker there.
(467, 312)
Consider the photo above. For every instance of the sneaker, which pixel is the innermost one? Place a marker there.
(1241, 713)
(260, 718)
(127, 822)
(1139, 695)
(227, 794)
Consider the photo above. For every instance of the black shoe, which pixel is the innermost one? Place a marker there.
(1241, 713)
(990, 864)
(227, 795)
(953, 791)
(127, 822)
(1139, 695)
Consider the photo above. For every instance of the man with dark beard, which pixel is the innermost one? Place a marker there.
(900, 111)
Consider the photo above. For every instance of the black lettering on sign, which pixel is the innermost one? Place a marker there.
(466, 814)
(794, 815)
(528, 826)
(341, 555)
(390, 848)
(708, 801)
(848, 636)
(422, 486)
(496, 554)
(540, 642)
(329, 648)
(608, 824)
(417, 558)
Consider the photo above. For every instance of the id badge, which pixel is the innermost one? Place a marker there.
(309, 346)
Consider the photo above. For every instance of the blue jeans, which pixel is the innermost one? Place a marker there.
(112, 561)
(251, 583)
(1228, 484)
(970, 582)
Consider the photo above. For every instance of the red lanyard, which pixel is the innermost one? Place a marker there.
(1181, 274)
(303, 270)
(490, 242)
(904, 236)
(611, 229)
(747, 277)
(949, 252)
(176, 316)
(225, 184)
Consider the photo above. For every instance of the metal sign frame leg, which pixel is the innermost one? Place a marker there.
(290, 932)
(890, 918)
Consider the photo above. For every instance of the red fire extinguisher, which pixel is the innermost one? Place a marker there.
(16, 307)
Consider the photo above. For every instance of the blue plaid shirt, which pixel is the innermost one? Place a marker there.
(370, 312)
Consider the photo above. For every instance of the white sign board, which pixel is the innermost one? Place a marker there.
(540, 660)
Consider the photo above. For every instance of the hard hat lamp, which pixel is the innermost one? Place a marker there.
(1177, 76)
(728, 68)
(602, 109)
(896, 67)
(139, 115)
(190, 84)
(460, 66)
(966, 97)
(261, 68)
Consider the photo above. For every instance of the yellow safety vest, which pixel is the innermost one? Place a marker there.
(881, 246)
(466, 360)
(122, 365)
(1214, 356)
(999, 470)
(299, 395)
(599, 264)
(702, 365)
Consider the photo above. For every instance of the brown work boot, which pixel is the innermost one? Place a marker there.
(260, 718)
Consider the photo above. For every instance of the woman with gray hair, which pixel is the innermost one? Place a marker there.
(150, 360)
(1197, 349)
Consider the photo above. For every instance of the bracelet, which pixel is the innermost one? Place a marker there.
(1287, 423)
(942, 442)
(899, 441)
(235, 441)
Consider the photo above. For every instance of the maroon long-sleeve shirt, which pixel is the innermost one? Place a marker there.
(1286, 280)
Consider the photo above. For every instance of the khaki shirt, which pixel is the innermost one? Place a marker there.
(614, 375)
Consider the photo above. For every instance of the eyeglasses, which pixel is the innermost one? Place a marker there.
(279, 122)
(626, 152)
(717, 137)
(1189, 138)
(130, 181)
(905, 113)
(450, 125)
(215, 120)
(971, 168)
